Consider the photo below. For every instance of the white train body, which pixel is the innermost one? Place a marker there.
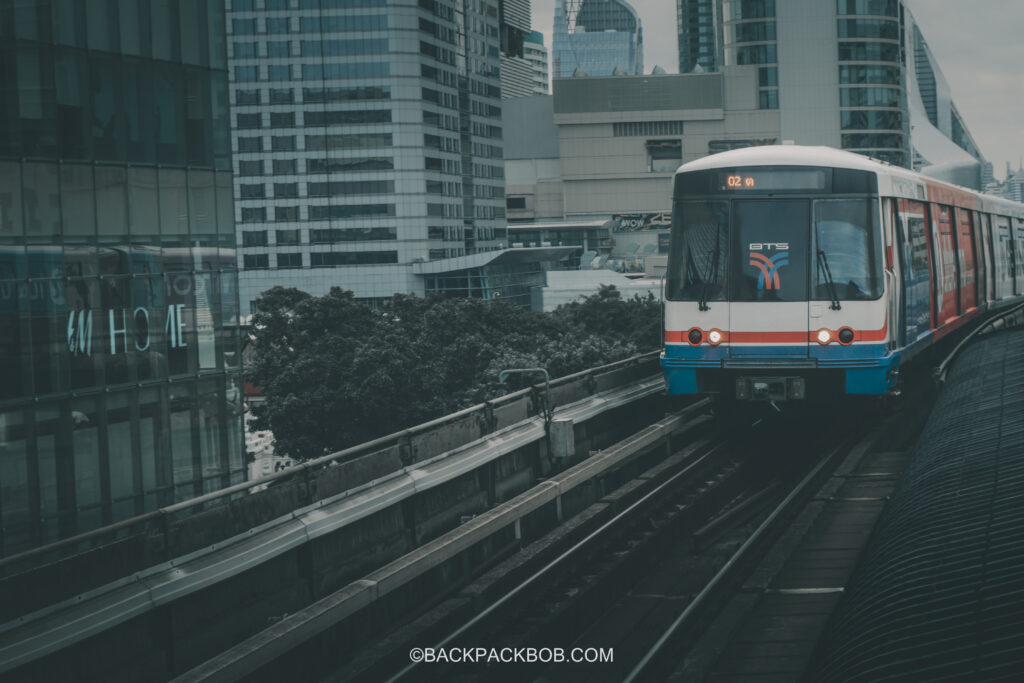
(807, 271)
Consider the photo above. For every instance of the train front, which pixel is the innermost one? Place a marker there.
(776, 284)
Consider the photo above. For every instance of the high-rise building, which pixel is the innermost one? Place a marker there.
(597, 38)
(516, 70)
(118, 289)
(885, 80)
(537, 55)
(368, 140)
(700, 35)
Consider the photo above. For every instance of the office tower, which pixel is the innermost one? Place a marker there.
(537, 54)
(700, 35)
(118, 289)
(368, 140)
(597, 38)
(885, 81)
(516, 70)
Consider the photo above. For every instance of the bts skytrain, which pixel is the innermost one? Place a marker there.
(805, 272)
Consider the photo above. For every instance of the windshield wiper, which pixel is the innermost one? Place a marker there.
(705, 289)
(823, 262)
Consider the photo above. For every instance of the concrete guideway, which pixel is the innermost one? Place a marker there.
(56, 627)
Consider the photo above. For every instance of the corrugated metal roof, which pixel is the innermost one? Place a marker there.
(940, 591)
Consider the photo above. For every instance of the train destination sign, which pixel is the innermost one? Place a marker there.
(769, 179)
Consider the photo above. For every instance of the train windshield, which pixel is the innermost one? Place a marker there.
(700, 251)
(775, 249)
(846, 246)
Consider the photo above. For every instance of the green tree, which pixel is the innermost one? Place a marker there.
(336, 372)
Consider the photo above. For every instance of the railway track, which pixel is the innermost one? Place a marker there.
(645, 584)
(632, 579)
(625, 579)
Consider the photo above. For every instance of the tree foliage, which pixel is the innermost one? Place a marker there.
(336, 372)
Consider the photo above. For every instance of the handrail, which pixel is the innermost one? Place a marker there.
(943, 368)
(307, 466)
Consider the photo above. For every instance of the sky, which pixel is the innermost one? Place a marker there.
(977, 44)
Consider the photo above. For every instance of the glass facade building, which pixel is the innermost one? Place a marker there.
(367, 138)
(874, 113)
(750, 38)
(600, 37)
(118, 287)
(700, 35)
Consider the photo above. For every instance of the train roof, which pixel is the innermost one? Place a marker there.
(786, 155)
(803, 155)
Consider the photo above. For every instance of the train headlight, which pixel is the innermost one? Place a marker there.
(715, 337)
(695, 336)
(824, 336)
(845, 336)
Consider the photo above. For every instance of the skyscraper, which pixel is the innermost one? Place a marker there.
(700, 35)
(368, 138)
(885, 82)
(118, 289)
(516, 70)
(537, 55)
(599, 37)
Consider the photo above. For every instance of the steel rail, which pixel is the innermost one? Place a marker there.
(624, 515)
(727, 572)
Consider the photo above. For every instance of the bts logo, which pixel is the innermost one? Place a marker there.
(768, 278)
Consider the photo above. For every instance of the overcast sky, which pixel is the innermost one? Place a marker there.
(977, 44)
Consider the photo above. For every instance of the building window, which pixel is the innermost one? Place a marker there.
(282, 96)
(279, 72)
(282, 143)
(886, 8)
(516, 202)
(286, 213)
(287, 238)
(250, 144)
(248, 168)
(255, 261)
(756, 54)
(351, 258)
(246, 97)
(279, 48)
(285, 119)
(869, 97)
(254, 238)
(869, 52)
(349, 164)
(243, 27)
(769, 99)
(244, 50)
(279, 25)
(289, 260)
(252, 191)
(286, 190)
(284, 166)
(340, 211)
(254, 214)
(248, 121)
(247, 74)
(664, 155)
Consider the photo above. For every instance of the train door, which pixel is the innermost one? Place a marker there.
(918, 271)
(768, 293)
(1003, 246)
(987, 264)
(966, 260)
(1017, 249)
(947, 305)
